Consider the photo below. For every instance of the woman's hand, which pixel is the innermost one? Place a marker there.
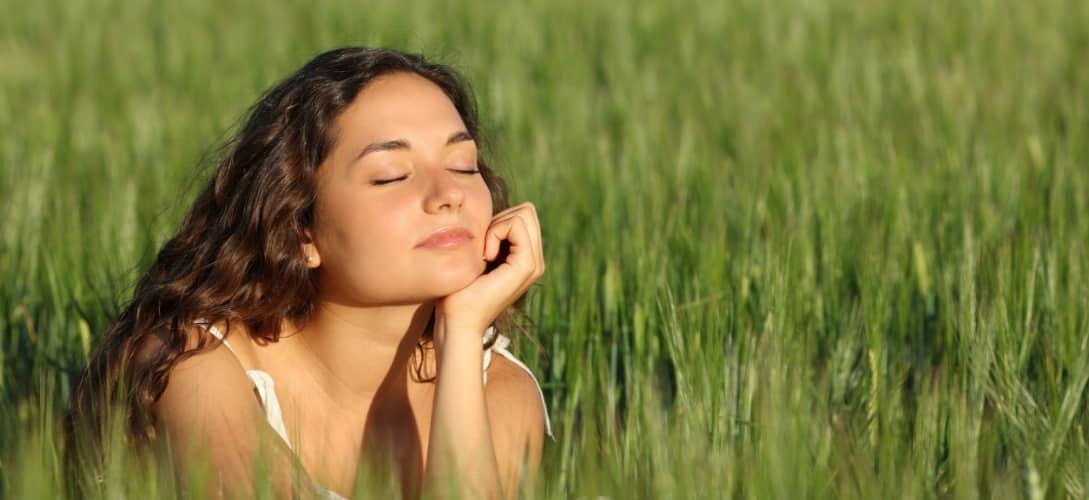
(461, 450)
(476, 306)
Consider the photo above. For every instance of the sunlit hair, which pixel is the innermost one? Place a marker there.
(237, 258)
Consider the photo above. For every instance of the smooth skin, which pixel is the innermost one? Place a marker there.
(344, 380)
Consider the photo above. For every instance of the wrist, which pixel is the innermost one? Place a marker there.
(454, 338)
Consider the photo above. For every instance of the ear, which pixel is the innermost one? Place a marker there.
(310, 252)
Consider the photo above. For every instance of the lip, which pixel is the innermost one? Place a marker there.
(446, 237)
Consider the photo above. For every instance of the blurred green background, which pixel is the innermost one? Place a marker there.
(807, 248)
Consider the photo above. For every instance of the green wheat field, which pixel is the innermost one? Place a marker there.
(795, 249)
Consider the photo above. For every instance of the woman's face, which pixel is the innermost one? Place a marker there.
(365, 240)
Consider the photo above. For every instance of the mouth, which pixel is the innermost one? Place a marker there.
(446, 237)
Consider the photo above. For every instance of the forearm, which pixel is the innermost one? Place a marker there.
(461, 452)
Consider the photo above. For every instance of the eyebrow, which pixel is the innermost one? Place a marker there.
(401, 144)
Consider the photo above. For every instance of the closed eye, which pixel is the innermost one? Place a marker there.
(387, 181)
(381, 182)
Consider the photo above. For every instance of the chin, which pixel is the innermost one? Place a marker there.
(449, 278)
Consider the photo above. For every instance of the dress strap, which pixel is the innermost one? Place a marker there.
(500, 346)
(210, 328)
(266, 388)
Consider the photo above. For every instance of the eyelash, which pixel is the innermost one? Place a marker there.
(382, 182)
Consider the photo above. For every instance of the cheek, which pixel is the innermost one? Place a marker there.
(364, 255)
(482, 203)
(363, 233)
(341, 222)
(482, 198)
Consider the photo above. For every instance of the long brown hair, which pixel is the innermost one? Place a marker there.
(236, 259)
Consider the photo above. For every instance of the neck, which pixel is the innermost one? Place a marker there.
(360, 348)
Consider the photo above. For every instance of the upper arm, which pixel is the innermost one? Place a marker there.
(516, 417)
(210, 416)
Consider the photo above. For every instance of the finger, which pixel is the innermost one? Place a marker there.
(528, 211)
(524, 235)
(522, 242)
(511, 209)
(535, 233)
(493, 238)
(533, 236)
(515, 230)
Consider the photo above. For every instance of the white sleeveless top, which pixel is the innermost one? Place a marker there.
(266, 389)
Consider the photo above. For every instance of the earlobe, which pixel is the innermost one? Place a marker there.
(310, 252)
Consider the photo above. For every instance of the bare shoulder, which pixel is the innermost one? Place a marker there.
(154, 342)
(210, 407)
(512, 388)
(517, 419)
(206, 393)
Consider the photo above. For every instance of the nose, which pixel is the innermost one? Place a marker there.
(445, 193)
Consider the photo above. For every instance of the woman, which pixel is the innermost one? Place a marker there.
(352, 251)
